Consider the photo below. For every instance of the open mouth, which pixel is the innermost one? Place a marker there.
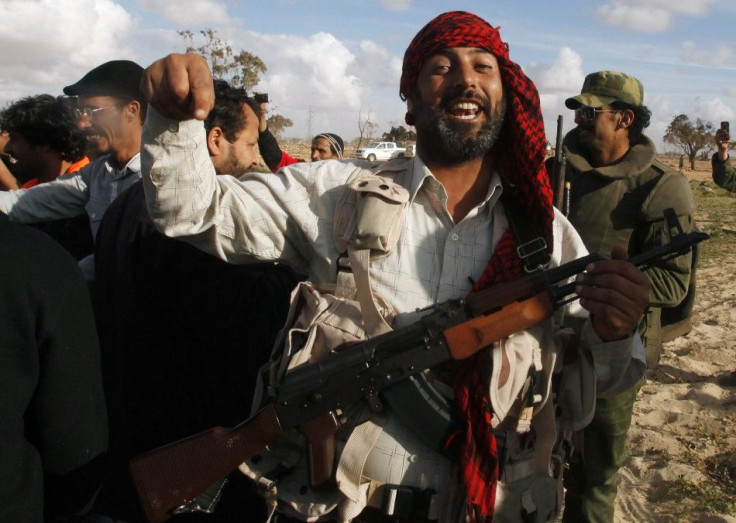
(93, 135)
(465, 110)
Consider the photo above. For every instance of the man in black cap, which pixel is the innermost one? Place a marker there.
(111, 111)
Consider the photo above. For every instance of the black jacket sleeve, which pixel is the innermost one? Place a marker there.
(269, 148)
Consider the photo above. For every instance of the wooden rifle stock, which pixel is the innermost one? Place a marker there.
(469, 337)
(172, 475)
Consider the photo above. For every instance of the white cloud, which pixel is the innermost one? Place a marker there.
(189, 12)
(565, 74)
(323, 82)
(637, 18)
(557, 82)
(687, 7)
(396, 5)
(374, 63)
(662, 115)
(650, 16)
(306, 72)
(48, 43)
(722, 55)
(712, 110)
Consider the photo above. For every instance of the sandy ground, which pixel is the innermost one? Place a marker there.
(684, 421)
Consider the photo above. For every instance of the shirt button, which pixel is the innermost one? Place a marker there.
(174, 127)
(413, 458)
(455, 237)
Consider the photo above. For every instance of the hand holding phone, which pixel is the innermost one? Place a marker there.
(723, 140)
(723, 134)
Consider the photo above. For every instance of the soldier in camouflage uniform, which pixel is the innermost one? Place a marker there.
(618, 192)
(724, 173)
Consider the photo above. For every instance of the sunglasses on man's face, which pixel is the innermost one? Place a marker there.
(589, 112)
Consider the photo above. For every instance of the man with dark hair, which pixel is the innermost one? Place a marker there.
(232, 149)
(618, 192)
(110, 112)
(325, 146)
(44, 139)
(44, 142)
(480, 134)
(168, 371)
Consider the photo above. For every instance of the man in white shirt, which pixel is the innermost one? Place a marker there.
(480, 134)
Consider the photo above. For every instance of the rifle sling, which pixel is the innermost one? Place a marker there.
(532, 247)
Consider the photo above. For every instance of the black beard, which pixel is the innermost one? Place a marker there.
(448, 141)
(234, 168)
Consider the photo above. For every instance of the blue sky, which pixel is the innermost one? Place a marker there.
(331, 61)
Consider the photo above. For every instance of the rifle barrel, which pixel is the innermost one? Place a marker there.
(558, 170)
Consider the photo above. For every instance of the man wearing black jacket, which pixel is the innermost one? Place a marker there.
(53, 434)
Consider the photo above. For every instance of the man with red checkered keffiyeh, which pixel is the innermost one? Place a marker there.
(480, 147)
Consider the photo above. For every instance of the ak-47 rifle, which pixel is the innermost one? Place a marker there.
(315, 397)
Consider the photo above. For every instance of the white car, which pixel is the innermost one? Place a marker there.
(380, 151)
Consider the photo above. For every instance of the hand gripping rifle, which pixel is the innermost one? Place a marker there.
(314, 398)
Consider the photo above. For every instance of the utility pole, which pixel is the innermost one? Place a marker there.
(309, 125)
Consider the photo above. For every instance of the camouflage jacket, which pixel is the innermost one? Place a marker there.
(724, 173)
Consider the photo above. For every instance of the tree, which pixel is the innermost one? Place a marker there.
(366, 126)
(277, 124)
(400, 135)
(240, 70)
(689, 137)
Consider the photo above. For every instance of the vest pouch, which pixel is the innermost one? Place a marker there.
(530, 485)
(370, 215)
(534, 498)
(319, 321)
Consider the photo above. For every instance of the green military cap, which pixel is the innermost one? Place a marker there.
(605, 87)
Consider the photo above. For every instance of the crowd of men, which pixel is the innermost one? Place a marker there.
(186, 260)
